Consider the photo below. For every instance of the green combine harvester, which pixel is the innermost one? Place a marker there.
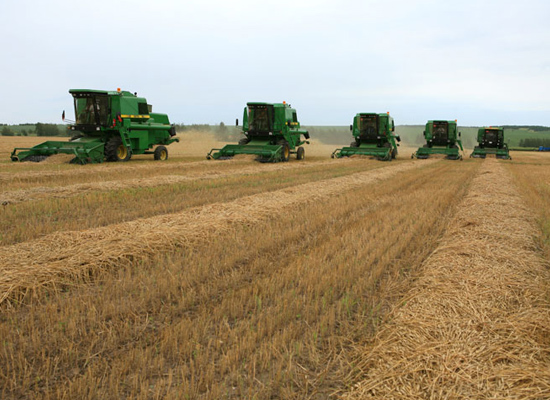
(272, 132)
(110, 125)
(442, 137)
(491, 141)
(373, 134)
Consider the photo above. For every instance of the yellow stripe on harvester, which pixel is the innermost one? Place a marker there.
(135, 116)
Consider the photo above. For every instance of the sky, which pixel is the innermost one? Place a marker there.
(482, 62)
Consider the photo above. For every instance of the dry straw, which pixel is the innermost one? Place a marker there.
(63, 257)
(46, 192)
(476, 325)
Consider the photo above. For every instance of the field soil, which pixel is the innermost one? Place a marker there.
(316, 279)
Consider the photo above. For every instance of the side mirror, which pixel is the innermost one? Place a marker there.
(63, 116)
(459, 134)
(398, 138)
(237, 122)
(351, 127)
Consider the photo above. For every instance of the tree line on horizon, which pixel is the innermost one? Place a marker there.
(223, 132)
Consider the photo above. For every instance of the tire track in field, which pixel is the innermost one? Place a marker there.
(476, 323)
(62, 192)
(65, 256)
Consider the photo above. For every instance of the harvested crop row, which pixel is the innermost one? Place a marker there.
(476, 324)
(130, 168)
(68, 255)
(44, 192)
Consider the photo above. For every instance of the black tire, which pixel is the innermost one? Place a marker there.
(387, 145)
(161, 153)
(116, 151)
(300, 153)
(394, 153)
(285, 152)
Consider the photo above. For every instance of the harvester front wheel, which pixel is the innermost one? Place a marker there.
(285, 152)
(161, 153)
(115, 150)
(300, 153)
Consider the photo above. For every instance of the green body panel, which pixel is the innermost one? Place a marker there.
(266, 128)
(373, 136)
(101, 116)
(491, 141)
(84, 149)
(442, 137)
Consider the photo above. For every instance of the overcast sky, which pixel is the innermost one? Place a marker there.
(483, 62)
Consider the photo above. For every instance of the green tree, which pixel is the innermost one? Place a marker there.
(6, 131)
(46, 129)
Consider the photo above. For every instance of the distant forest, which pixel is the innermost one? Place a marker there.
(535, 128)
(529, 142)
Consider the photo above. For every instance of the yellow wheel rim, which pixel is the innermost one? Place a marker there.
(163, 155)
(122, 152)
(286, 152)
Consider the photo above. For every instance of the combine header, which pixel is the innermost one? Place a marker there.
(109, 125)
(442, 137)
(491, 141)
(373, 134)
(272, 132)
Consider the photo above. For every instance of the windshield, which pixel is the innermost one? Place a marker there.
(440, 132)
(368, 125)
(491, 136)
(259, 119)
(91, 110)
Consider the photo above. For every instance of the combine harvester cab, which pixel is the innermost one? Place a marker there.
(373, 134)
(110, 125)
(491, 141)
(272, 132)
(442, 137)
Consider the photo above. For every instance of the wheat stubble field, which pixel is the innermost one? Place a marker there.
(320, 279)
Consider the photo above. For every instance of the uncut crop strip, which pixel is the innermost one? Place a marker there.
(476, 324)
(62, 192)
(69, 255)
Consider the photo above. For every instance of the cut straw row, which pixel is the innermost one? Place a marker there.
(476, 324)
(64, 257)
(68, 191)
(109, 168)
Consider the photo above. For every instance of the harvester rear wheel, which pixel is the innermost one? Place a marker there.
(161, 153)
(300, 153)
(116, 151)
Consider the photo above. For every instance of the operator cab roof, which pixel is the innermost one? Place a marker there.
(100, 92)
